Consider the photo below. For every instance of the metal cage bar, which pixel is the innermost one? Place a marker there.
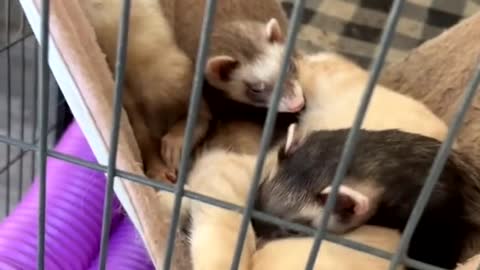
(349, 147)
(43, 122)
(9, 106)
(193, 109)
(117, 107)
(35, 105)
(436, 169)
(267, 132)
(22, 109)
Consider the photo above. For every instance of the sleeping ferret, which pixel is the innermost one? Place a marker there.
(226, 176)
(333, 88)
(381, 187)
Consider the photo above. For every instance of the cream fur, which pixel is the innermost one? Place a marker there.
(158, 76)
(334, 87)
(292, 253)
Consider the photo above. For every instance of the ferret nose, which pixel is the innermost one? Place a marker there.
(297, 104)
(291, 104)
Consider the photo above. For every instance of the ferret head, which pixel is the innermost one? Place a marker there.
(247, 63)
(299, 188)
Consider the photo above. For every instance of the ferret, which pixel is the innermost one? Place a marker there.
(244, 58)
(226, 175)
(333, 87)
(158, 76)
(336, 109)
(292, 253)
(380, 188)
(243, 64)
(246, 48)
(156, 63)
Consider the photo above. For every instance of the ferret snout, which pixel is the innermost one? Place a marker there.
(292, 100)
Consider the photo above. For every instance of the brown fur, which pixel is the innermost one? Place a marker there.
(188, 17)
(158, 85)
(239, 40)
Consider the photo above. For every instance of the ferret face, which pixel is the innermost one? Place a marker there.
(300, 187)
(384, 162)
(381, 185)
(249, 68)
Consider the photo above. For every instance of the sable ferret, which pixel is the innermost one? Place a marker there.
(381, 187)
(158, 74)
(244, 60)
(246, 48)
(226, 176)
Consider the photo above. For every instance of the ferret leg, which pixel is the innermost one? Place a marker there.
(362, 203)
(214, 236)
(153, 166)
(214, 230)
(172, 142)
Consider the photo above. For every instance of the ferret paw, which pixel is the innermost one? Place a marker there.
(162, 173)
(171, 149)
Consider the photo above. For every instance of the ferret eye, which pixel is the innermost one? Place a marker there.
(256, 87)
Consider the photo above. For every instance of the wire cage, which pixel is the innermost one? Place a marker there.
(19, 76)
(35, 114)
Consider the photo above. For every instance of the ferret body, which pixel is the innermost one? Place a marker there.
(246, 48)
(381, 187)
(226, 176)
(333, 88)
(158, 74)
(292, 253)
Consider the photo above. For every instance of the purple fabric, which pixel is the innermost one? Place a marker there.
(75, 197)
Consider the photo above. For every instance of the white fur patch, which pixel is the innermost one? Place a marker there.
(290, 136)
(266, 67)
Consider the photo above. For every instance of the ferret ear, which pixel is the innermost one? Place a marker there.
(349, 201)
(220, 67)
(274, 32)
(292, 143)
